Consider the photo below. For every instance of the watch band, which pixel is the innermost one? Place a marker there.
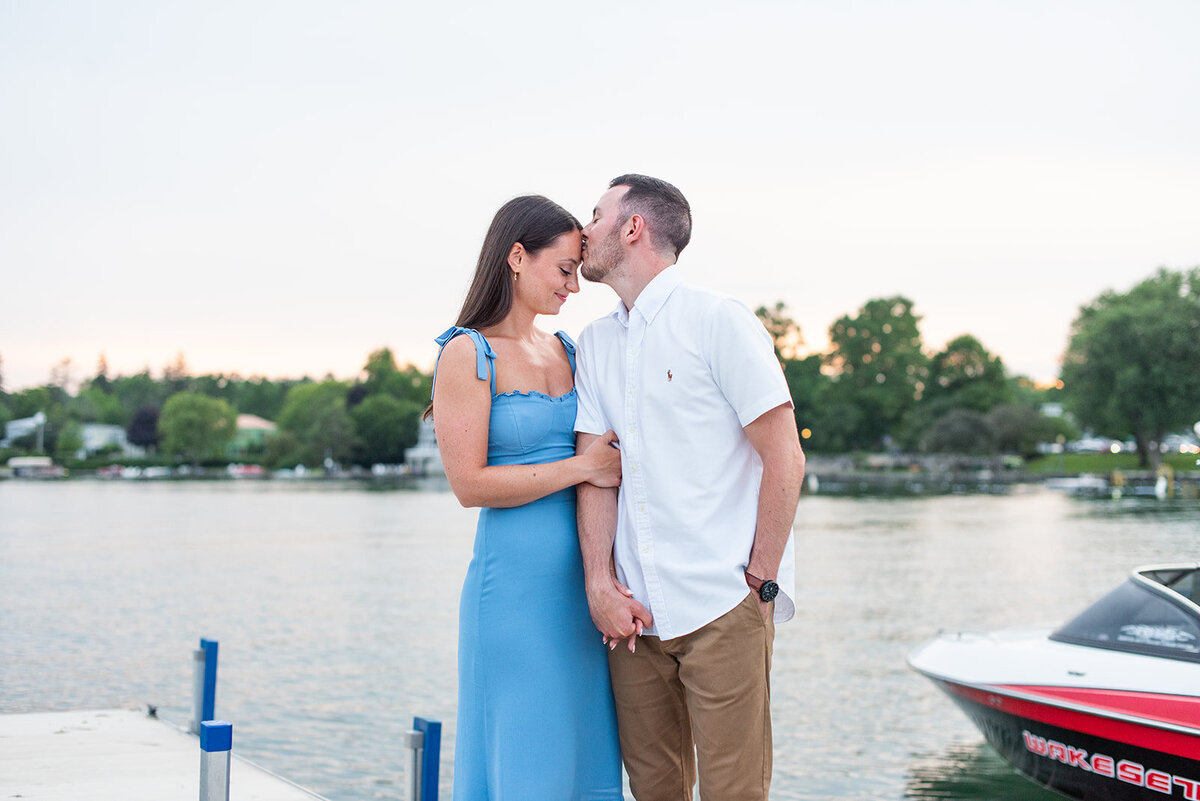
(766, 589)
(754, 582)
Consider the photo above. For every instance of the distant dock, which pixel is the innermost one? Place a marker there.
(116, 755)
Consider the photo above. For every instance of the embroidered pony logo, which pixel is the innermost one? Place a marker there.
(669, 376)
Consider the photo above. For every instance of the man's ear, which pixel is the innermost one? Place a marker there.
(635, 229)
(516, 256)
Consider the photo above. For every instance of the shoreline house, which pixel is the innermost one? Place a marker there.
(16, 429)
(424, 458)
(94, 437)
(98, 437)
(251, 436)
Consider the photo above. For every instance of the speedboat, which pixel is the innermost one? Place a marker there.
(1105, 707)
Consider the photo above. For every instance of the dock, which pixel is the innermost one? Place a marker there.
(117, 755)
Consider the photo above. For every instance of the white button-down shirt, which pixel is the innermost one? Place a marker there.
(677, 377)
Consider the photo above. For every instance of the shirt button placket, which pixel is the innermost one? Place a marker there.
(632, 447)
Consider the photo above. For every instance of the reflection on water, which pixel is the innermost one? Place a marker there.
(970, 772)
(336, 610)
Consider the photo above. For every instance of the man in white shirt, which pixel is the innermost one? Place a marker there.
(694, 553)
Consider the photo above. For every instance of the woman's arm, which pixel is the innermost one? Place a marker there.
(462, 405)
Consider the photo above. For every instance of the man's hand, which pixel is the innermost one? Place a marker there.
(617, 614)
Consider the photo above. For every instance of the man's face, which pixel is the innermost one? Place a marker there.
(602, 249)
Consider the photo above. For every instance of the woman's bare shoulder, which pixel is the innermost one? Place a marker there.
(458, 350)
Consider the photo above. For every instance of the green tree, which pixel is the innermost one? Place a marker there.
(262, 396)
(384, 428)
(175, 375)
(963, 375)
(418, 384)
(808, 387)
(212, 385)
(1025, 391)
(966, 373)
(1018, 428)
(143, 428)
(880, 367)
(283, 450)
(838, 427)
(69, 441)
(316, 415)
(385, 377)
(805, 381)
(93, 405)
(959, 431)
(194, 427)
(139, 390)
(784, 331)
(1132, 366)
(380, 369)
(100, 380)
(29, 402)
(258, 396)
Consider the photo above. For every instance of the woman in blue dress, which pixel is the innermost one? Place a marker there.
(536, 720)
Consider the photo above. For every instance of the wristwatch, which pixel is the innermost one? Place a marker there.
(766, 589)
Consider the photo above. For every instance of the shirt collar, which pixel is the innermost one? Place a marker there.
(652, 297)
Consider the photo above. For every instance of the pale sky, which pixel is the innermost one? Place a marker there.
(278, 188)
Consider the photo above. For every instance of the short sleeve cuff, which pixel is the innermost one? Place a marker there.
(588, 427)
(751, 413)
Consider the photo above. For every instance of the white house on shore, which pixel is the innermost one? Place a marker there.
(15, 429)
(424, 459)
(100, 436)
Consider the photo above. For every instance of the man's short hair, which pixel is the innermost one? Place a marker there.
(662, 205)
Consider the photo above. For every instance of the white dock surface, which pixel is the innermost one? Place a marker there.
(116, 754)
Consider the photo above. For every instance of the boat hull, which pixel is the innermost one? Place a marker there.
(1078, 760)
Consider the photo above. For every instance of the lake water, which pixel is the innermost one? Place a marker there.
(335, 608)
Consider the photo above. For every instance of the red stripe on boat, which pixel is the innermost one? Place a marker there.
(1122, 731)
(1183, 710)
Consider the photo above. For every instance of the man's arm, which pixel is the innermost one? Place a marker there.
(614, 612)
(773, 435)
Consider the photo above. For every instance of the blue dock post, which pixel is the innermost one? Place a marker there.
(204, 673)
(425, 742)
(216, 748)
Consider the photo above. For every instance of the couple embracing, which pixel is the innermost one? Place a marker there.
(637, 494)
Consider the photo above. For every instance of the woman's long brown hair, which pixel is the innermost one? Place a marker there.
(532, 220)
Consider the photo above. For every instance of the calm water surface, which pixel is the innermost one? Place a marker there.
(336, 607)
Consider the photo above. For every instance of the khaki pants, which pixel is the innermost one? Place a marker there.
(704, 696)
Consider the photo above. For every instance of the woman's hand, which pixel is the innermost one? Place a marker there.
(602, 461)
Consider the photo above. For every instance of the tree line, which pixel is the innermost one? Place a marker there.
(879, 389)
(1131, 370)
(180, 418)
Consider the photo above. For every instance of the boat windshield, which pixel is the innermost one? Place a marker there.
(1134, 617)
(1183, 580)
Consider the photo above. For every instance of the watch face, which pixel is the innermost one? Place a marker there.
(769, 590)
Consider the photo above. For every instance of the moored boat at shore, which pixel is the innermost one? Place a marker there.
(1105, 707)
